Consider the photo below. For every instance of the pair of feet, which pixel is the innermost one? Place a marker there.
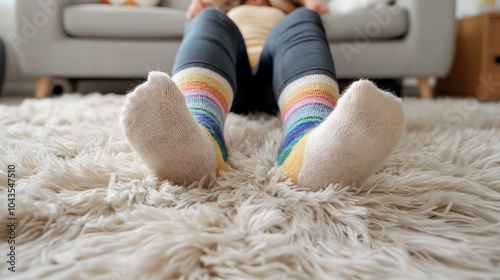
(347, 147)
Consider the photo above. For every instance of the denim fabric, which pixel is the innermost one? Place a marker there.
(295, 47)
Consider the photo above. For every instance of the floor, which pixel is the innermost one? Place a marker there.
(408, 91)
(11, 100)
(15, 93)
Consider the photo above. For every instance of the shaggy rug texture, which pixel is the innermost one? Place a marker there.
(88, 208)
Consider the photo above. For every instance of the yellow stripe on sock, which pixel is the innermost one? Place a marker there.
(293, 162)
(219, 87)
(221, 165)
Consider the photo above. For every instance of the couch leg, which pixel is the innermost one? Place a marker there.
(424, 88)
(73, 85)
(43, 87)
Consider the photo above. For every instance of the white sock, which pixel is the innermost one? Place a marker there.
(161, 129)
(352, 142)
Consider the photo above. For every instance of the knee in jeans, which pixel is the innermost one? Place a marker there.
(303, 13)
(212, 13)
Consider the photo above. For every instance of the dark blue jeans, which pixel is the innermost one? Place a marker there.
(295, 47)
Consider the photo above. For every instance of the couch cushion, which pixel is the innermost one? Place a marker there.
(106, 21)
(142, 3)
(381, 24)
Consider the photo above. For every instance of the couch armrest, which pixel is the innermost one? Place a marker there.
(432, 32)
(38, 26)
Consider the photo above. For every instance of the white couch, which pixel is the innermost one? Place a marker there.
(80, 39)
(15, 81)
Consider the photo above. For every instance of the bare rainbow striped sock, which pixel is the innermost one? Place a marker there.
(208, 97)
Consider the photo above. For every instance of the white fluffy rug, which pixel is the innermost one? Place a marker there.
(88, 208)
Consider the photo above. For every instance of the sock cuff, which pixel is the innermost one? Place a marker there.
(200, 74)
(322, 83)
(319, 90)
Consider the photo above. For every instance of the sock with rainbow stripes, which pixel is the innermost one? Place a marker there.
(176, 125)
(208, 97)
(326, 141)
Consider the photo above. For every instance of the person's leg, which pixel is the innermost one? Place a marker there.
(176, 124)
(325, 142)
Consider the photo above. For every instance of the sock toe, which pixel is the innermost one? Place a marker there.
(159, 80)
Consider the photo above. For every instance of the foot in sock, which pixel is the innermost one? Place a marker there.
(162, 129)
(349, 145)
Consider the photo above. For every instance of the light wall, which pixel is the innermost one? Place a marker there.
(472, 7)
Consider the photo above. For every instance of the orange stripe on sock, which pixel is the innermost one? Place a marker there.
(293, 162)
